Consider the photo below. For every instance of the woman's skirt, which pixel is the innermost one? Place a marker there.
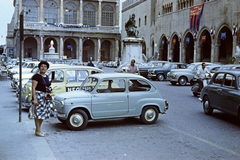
(43, 109)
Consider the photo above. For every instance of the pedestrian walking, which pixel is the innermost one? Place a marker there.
(90, 63)
(132, 68)
(40, 88)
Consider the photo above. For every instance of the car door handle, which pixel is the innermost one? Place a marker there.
(109, 95)
(219, 90)
(95, 95)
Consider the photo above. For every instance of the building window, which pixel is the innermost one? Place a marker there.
(139, 22)
(51, 12)
(89, 14)
(30, 11)
(168, 8)
(70, 13)
(145, 20)
(107, 16)
(185, 4)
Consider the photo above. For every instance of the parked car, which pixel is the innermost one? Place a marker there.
(230, 66)
(184, 76)
(222, 93)
(104, 96)
(161, 73)
(150, 65)
(64, 78)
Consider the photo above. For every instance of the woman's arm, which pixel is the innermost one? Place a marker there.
(34, 85)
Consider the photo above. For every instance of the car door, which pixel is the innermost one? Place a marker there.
(214, 90)
(74, 79)
(110, 99)
(228, 94)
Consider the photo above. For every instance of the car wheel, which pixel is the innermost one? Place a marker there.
(182, 81)
(160, 77)
(77, 120)
(63, 121)
(149, 115)
(207, 106)
(173, 83)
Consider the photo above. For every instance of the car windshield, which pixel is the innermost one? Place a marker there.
(89, 84)
(166, 66)
(191, 66)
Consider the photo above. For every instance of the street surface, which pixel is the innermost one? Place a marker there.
(184, 132)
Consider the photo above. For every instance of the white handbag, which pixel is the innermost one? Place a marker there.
(31, 113)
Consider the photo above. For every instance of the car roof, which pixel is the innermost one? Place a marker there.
(116, 75)
(63, 66)
(232, 71)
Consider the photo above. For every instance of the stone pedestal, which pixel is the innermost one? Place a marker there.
(132, 49)
(48, 56)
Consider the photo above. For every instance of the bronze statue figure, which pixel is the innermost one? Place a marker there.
(131, 28)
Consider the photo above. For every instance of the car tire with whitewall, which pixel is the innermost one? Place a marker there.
(182, 81)
(207, 106)
(77, 120)
(160, 77)
(149, 115)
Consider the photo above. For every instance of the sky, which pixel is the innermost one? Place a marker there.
(6, 12)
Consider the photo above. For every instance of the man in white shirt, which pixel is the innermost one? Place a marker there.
(132, 68)
(201, 75)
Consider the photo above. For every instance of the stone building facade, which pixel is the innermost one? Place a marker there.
(189, 30)
(80, 29)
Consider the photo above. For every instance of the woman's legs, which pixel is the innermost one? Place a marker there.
(38, 123)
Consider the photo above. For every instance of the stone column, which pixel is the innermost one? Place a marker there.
(41, 47)
(195, 51)
(117, 14)
(169, 56)
(80, 49)
(99, 50)
(199, 55)
(61, 52)
(180, 52)
(116, 47)
(81, 13)
(61, 12)
(212, 50)
(216, 55)
(99, 12)
(41, 17)
(171, 53)
(234, 45)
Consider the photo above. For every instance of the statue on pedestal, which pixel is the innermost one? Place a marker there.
(51, 49)
(131, 28)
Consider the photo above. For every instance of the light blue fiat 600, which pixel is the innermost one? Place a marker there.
(105, 96)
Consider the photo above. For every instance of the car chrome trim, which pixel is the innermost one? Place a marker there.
(109, 102)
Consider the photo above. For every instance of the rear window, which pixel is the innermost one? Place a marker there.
(138, 86)
(230, 81)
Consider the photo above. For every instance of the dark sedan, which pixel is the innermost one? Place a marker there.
(161, 73)
(222, 93)
(152, 64)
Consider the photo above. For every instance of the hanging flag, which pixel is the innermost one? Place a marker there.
(195, 15)
(224, 35)
(211, 31)
(87, 47)
(204, 38)
(163, 42)
(188, 40)
(180, 37)
(174, 41)
(234, 31)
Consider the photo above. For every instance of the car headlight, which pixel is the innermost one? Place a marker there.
(29, 89)
(168, 73)
(62, 104)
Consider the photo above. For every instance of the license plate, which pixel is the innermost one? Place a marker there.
(70, 89)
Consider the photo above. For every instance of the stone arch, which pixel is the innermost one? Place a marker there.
(163, 48)
(88, 50)
(204, 40)
(70, 48)
(30, 48)
(188, 47)
(174, 51)
(106, 46)
(224, 41)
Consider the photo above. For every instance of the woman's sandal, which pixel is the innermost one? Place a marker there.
(40, 134)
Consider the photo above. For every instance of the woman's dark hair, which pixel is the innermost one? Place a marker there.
(43, 62)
